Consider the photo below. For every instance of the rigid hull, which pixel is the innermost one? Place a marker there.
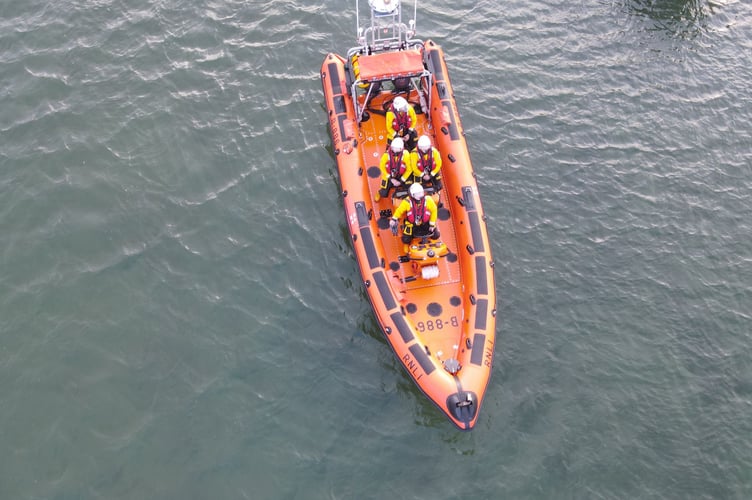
(427, 322)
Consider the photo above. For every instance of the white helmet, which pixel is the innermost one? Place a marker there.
(398, 145)
(416, 191)
(424, 143)
(400, 104)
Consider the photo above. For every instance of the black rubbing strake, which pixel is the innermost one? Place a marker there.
(468, 198)
(334, 78)
(454, 133)
(384, 290)
(370, 247)
(339, 107)
(479, 341)
(433, 61)
(362, 213)
(480, 314)
(480, 267)
(477, 232)
(402, 327)
(422, 358)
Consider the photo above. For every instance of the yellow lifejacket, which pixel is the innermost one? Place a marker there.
(356, 70)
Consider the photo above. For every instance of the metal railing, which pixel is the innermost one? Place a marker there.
(387, 31)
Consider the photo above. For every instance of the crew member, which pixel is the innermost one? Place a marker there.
(401, 122)
(426, 163)
(396, 169)
(420, 214)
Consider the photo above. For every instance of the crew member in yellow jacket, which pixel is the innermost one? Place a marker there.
(420, 213)
(426, 164)
(396, 168)
(401, 122)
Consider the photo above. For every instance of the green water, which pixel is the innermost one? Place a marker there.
(181, 314)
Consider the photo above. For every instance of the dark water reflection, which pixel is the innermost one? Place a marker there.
(680, 18)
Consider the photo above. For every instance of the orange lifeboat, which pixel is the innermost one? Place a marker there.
(436, 304)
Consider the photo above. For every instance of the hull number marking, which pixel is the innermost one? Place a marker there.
(436, 324)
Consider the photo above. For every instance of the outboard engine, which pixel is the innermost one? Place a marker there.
(463, 406)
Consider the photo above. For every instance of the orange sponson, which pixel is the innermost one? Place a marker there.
(442, 329)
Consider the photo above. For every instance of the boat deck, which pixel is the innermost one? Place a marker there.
(436, 314)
